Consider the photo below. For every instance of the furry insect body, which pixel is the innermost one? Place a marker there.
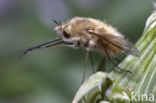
(94, 34)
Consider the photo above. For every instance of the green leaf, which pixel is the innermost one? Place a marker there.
(96, 80)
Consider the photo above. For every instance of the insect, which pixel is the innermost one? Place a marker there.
(92, 35)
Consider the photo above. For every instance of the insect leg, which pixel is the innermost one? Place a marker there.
(102, 64)
(119, 60)
(85, 64)
(92, 62)
(114, 63)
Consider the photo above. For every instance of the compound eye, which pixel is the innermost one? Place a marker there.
(65, 31)
(66, 35)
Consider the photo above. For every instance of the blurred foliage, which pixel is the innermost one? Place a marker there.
(39, 77)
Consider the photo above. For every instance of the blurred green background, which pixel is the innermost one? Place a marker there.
(53, 75)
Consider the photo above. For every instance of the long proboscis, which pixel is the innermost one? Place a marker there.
(40, 46)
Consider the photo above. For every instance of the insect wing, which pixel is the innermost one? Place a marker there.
(121, 42)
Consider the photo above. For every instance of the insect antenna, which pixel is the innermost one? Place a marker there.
(92, 62)
(57, 22)
(40, 46)
(109, 58)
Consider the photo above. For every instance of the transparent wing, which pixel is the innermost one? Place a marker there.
(121, 42)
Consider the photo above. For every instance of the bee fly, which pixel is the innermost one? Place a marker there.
(92, 35)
